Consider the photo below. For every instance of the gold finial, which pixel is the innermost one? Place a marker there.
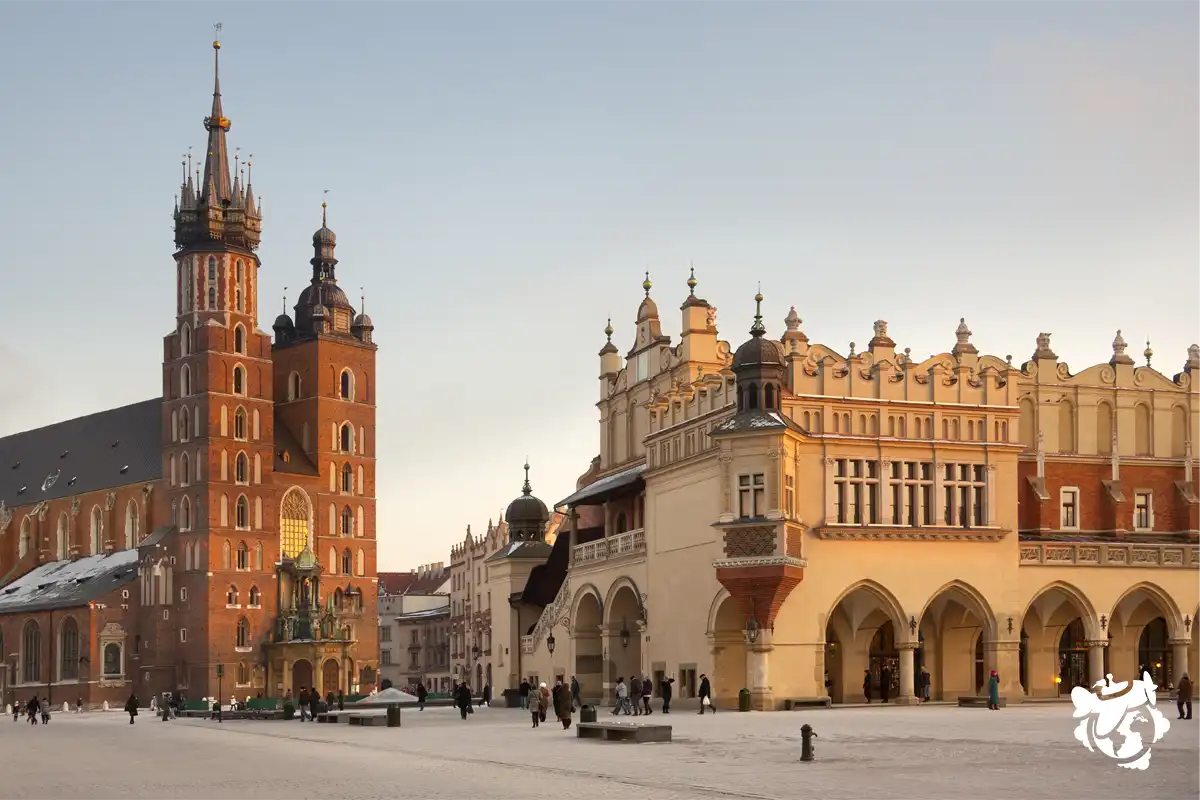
(646, 284)
(691, 281)
(608, 330)
(323, 207)
(249, 164)
(217, 36)
(1148, 353)
(758, 298)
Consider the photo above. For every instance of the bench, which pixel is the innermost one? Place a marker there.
(806, 702)
(368, 719)
(976, 701)
(623, 732)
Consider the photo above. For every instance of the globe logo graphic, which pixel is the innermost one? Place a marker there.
(1120, 720)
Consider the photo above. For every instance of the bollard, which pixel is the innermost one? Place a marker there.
(105, 706)
(393, 715)
(807, 734)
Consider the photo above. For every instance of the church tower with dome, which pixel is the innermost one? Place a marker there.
(268, 455)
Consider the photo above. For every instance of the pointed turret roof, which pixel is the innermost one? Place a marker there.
(216, 162)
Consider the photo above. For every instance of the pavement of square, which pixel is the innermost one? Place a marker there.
(935, 751)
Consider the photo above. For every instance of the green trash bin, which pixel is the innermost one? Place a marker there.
(587, 713)
(393, 715)
(744, 700)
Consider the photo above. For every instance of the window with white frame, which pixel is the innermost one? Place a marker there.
(965, 486)
(856, 491)
(1068, 501)
(1143, 511)
(911, 484)
(751, 495)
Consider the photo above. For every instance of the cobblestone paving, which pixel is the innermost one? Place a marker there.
(928, 752)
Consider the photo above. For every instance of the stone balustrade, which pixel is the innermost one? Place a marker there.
(623, 544)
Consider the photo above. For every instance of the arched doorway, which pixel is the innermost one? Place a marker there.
(729, 653)
(1072, 658)
(478, 687)
(585, 634)
(1154, 652)
(1054, 656)
(860, 639)
(953, 628)
(330, 677)
(487, 673)
(302, 676)
(625, 640)
(884, 660)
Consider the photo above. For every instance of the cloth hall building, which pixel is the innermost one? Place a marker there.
(223, 533)
(790, 518)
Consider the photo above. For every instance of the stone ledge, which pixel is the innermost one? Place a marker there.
(623, 732)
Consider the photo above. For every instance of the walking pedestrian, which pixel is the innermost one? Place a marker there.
(622, 697)
(421, 694)
(523, 689)
(994, 691)
(1183, 697)
(867, 686)
(575, 701)
(563, 704)
(885, 684)
(45, 710)
(544, 704)
(647, 693)
(925, 680)
(131, 707)
(706, 695)
(667, 690)
(462, 699)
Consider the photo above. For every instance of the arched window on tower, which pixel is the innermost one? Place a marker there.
(131, 524)
(347, 386)
(239, 379)
(362, 563)
(185, 514)
(294, 386)
(243, 633)
(255, 597)
(347, 562)
(185, 381)
(347, 438)
(185, 340)
(231, 596)
(212, 268)
(294, 523)
(347, 479)
(241, 470)
(185, 425)
(185, 470)
(768, 396)
(239, 424)
(241, 281)
(212, 298)
(347, 522)
(26, 537)
(64, 543)
(239, 339)
(243, 556)
(243, 513)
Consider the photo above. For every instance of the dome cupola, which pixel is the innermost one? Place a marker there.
(527, 515)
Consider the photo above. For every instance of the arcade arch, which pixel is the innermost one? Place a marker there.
(862, 632)
(1054, 652)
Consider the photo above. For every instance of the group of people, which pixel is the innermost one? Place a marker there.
(309, 700)
(32, 708)
(562, 699)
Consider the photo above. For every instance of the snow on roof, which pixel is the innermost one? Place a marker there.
(61, 584)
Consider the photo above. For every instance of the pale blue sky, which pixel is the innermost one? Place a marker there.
(501, 174)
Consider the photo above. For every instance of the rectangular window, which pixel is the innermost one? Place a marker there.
(964, 487)
(1069, 505)
(856, 488)
(385, 633)
(1143, 511)
(789, 494)
(385, 657)
(745, 502)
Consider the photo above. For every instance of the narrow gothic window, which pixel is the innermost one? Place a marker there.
(69, 648)
(347, 563)
(242, 469)
(239, 380)
(347, 522)
(347, 438)
(212, 298)
(239, 337)
(212, 268)
(347, 385)
(255, 599)
(243, 633)
(347, 479)
(243, 513)
(239, 424)
(243, 556)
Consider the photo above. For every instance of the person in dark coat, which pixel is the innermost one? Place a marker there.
(994, 691)
(867, 686)
(462, 699)
(524, 691)
(667, 690)
(647, 693)
(131, 706)
(885, 684)
(341, 700)
(706, 695)
(303, 700)
(421, 694)
(562, 704)
(924, 681)
(485, 697)
(1183, 697)
(575, 701)
(33, 707)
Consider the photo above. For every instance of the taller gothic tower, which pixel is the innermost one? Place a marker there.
(218, 410)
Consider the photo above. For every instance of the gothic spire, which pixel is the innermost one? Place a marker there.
(216, 162)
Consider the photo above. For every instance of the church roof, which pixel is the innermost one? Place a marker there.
(117, 447)
(69, 584)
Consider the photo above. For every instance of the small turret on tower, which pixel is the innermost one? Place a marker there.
(699, 338)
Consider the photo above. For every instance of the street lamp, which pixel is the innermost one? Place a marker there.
(624, 632)
(752, 627)
(220, 677)
(475, 651)
(550, 643)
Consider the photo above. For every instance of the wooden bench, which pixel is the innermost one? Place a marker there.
(623, 732)
(976, 701)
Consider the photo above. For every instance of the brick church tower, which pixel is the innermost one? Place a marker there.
(259, 439)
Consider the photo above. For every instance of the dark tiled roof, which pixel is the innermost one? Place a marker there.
(411, 583)
(117, 447)
(69, 584)
(755, 420)
(539, 550)
(298, 462)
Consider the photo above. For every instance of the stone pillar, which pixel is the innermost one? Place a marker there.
(1179, 657)
(990, 498)
(725, 458)
(830, 493)
(938, 513)
(758, 676)
(287, 676)
(907, 695)
(1004, 656)
(643, 650)
(574, 532)
(1096, 661)
(774, 478)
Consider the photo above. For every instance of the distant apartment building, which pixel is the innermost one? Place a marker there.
(414, 627)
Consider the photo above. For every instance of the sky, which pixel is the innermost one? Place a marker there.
(500, 175)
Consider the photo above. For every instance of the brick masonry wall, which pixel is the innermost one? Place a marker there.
(1097, 512)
